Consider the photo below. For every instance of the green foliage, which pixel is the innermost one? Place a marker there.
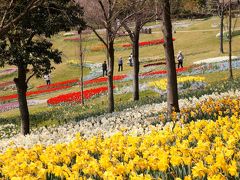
(26, 44)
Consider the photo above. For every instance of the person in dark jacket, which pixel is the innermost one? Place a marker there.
(104, 68)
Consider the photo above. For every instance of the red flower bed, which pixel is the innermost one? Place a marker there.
(31, 93)
(147, 43)
(154, 64)
(178, 70)
(104, 79)
(59, 84)
(76, 81)
(75, 97)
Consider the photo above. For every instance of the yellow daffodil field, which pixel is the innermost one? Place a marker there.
(203, 142)
(162, 83)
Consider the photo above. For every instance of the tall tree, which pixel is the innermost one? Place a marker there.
(27, 48)
(230, 40)
(104, 14)
(143, 13)
(221, 9)
(172, 90)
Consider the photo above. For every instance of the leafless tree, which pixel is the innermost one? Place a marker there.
(143, 13)
(104, 14)
(221, 10)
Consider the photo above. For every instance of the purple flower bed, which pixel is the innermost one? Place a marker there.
(13, 105)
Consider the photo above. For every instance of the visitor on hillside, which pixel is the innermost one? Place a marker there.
(180, 58)
(120, 64)
(47, 79)
(104, 68)
(130, 60)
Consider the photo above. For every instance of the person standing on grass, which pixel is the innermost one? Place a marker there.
(47, 79)
(120, 64)
(104, 68)
(130, 60)
(180, 58)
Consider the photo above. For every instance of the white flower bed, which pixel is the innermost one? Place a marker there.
(133, 121)
(216, 60)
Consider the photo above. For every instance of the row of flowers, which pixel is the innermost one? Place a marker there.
(73, 82)
(32, 93)
(199, 150)
(7, 85)
(14, 105)
(147, 43)
(75, 97)
(136, 121)
(7, 71)
(162, 83)
(155, 64)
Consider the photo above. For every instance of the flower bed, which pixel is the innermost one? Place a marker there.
(7, 85)
(147, 74)
(7, 71)
(155, 64)
(32, 93)
(73, 82)
(162, 83)
(216, 60)
(147, 43)
(13, 105)
(75, 97)
(203, 149)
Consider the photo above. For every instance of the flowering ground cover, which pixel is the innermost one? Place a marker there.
(14, 105)
(32, 93)
(155, 64)
(7, 71)
(147, 43)
(73, 82)
(204, 149)
(7, 85)
(75, 97)
(162, 72)
(162, 83)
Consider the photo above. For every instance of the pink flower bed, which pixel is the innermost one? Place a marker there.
(31, 93)
(147, 43)
(7, 71)
(75, 97)
(14, 105)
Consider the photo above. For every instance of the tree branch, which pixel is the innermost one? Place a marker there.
(98, 35)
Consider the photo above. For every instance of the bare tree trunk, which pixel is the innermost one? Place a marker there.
(136, 65)
(23, 106)
(110, 77)
(81, 67)
(230, 41)
(172, 90)
(221, 31)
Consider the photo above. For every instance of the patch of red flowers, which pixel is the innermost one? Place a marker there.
(31, 93)
(73, 82)
(75, 97)
(154, 64)
(147, 43)
(178, 70)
